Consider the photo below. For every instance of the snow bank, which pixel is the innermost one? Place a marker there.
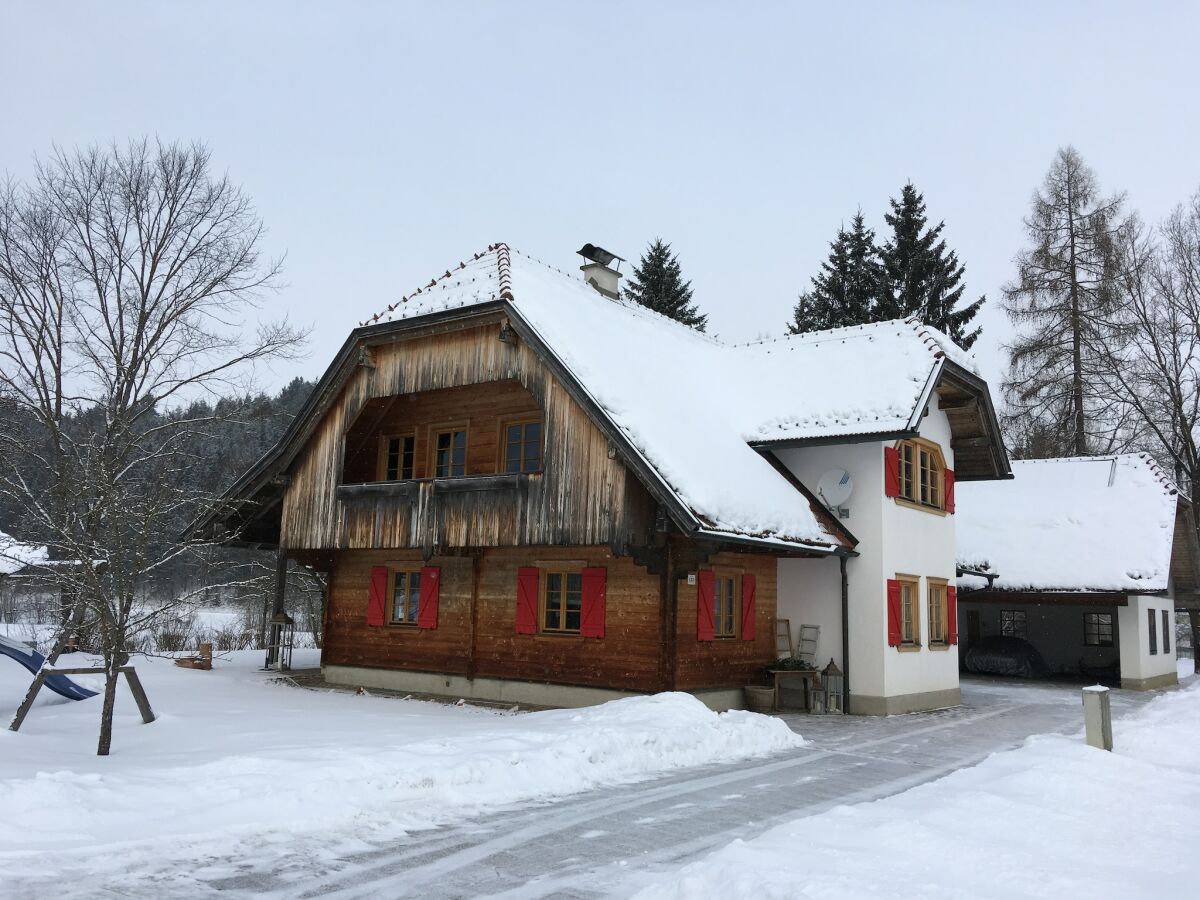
(1054, 818)
(233, 757)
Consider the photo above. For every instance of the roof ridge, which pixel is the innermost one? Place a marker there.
(504, 273)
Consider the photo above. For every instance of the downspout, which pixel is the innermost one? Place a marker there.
(845, 637)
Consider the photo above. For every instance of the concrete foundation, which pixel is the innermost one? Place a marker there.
(498, 690)
(904, 703)
(1149, 684)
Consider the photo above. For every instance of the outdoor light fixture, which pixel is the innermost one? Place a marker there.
(832, 681)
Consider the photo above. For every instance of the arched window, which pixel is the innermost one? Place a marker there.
(922, 473)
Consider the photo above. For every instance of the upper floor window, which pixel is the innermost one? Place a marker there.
(450, 453)
(398, 457)
(523, 447)
(922, 473)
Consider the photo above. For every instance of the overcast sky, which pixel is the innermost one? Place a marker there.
(383, 142)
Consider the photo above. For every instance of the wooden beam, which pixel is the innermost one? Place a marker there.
(966, 404)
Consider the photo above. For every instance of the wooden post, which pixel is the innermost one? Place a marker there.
(139, 694)
(274, 631)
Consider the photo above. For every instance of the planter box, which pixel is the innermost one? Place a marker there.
(760, 699)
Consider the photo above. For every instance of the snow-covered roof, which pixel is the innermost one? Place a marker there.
(1076, 524)
(15, 556)
(691, 404)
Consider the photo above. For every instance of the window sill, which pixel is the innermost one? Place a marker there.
(402, 625)
(913, 504)
(939, 646)
(908, 648)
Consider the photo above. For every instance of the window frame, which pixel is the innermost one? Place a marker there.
(732, 578)
(1019, 617)
(933, 586)
(1152, 632)
(408, 570)
(565, 572)
(502, 445)
(1098, 629)
(384, 450)
(1167, 621)
(451, 428)
(909, 482)
(914, 582)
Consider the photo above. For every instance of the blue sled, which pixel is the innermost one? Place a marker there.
(32, 660)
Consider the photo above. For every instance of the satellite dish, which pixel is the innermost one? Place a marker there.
(835, 487)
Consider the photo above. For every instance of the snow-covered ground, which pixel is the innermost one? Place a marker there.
(236, 761)
(1054, 818)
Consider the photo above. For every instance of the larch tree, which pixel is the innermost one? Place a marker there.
(127, 276)
(846, 290)
(922, 277)
(657, 283)
(1061, 304)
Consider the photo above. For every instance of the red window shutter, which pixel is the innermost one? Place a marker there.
(427, 605)
(949, 490)
(891, 472)
(749, 608)
(528, 579)
(952, 614)
(591, 618)
(377, 597)
(706, 588)
(893, 612)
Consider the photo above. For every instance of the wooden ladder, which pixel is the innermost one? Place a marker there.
(806, 642)
(783, 638)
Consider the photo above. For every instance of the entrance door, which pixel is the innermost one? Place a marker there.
(973, 627)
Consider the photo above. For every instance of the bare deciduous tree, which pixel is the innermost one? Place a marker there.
(1063, 296)
(126, 277)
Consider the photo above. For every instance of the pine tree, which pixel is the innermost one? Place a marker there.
(923, 277)
(1062, 303)
(846, 290)
(657, 283)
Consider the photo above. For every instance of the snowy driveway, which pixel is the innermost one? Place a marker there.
(609, 842)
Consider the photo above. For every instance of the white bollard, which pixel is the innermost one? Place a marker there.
(1097, 717)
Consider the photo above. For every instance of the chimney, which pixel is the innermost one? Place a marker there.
(598, 270)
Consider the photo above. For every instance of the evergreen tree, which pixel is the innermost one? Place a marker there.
(846, 290)
(923, 277)
(1062, 303)
(657, 283)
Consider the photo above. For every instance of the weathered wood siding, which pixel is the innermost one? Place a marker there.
(583, 497)
(480, 639)
(727, 662)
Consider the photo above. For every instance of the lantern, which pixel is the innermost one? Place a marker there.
(832, 685)
(280, 642)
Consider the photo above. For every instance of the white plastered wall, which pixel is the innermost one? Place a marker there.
(892, 539)
(1138, 664)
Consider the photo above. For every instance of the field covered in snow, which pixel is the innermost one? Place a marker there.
(236, 762)
(1054, 818)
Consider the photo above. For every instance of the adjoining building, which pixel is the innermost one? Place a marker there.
(1084, 558)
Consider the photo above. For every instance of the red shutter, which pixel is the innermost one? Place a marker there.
(749, 607)
(591, 617)
(949, 490)
(427, 605)
(893, 612)
(528, 579)
(377, 597)
(891, 472)
(952, 614)
(706, 587)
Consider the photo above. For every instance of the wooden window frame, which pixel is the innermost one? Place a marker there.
(434, 432)
(1167, 621)
(910, 482)
(1019, 617)
(381, 469)
(1152, 632)
(913, 581)
(733, 579)
(564, 572)
(1099, 641)
(934, 586)
(395, 571)
(502, 445)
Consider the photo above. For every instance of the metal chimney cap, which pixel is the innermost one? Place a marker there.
(598, 254)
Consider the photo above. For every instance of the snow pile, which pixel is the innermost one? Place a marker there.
(1079, 524)
(235, 758)
(15, 555)
(1055, 818)
(690, 404)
